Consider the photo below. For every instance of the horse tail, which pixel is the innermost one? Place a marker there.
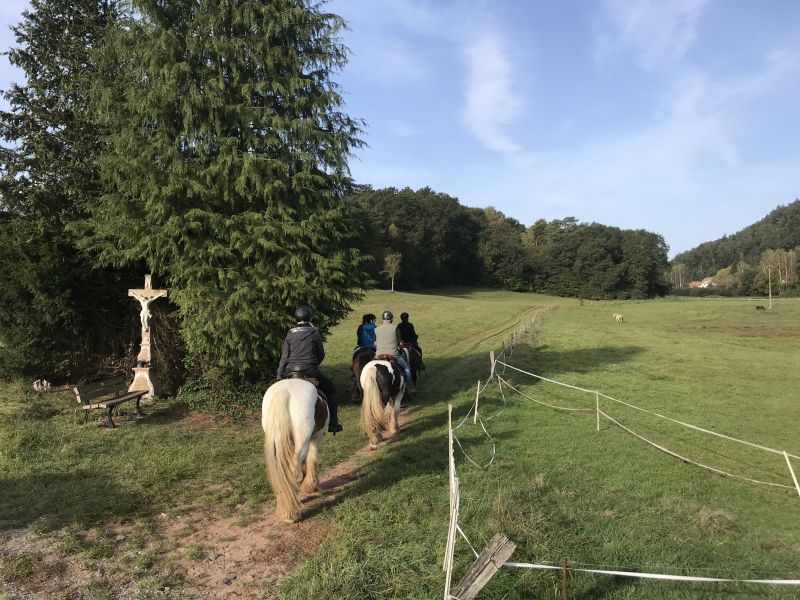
(372, 417)
(279, 452)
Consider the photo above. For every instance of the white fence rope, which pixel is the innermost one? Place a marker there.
(660, 576)
(500, 379)
(683, 458)
(695, 427)
(455, 493)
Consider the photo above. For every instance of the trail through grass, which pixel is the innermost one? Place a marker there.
(557, 487)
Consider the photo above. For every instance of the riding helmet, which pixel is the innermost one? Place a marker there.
(302, 313)
(387, 315)
(404, 316)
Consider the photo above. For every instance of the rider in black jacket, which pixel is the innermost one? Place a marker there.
(407, 333)
(302, 353)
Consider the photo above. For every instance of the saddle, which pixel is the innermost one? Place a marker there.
(312, 380)
(389, 357)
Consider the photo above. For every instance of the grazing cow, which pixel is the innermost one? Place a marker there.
(618, 317)
(761, 307)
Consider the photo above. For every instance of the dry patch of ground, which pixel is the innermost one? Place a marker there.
(191, 553)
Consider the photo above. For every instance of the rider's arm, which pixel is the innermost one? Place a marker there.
(319, 349)
(284, 358)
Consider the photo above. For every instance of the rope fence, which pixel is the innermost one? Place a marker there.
(480, 571)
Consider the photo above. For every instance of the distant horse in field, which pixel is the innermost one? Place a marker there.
(384, 386)
(294, 417)
(414, 358)
(618, 317)
(360, 360)
(761, 307)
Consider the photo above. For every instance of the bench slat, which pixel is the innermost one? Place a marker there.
(105, 383)
(100, 393)
(114, 401)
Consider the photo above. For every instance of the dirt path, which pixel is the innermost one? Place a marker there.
(247, 561)
(213, 556)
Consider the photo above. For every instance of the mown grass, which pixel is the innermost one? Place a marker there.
(561, 490)
(557, 487)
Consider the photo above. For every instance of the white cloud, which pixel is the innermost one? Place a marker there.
(490, 101)
(659, 32)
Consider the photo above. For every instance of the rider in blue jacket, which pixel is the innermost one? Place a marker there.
(366, 332)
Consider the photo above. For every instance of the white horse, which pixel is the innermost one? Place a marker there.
(294, 419)
(384, 386)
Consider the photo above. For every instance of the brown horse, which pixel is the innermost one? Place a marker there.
(414, 358)
(360, 360)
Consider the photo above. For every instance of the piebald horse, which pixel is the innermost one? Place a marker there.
(384, 386)
(294, 419)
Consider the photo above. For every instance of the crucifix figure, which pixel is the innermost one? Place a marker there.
(144, 373)
(145, 297)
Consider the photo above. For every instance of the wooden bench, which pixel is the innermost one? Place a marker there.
(108, 394)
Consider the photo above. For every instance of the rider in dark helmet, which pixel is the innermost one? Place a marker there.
(387, 341)
(407, 333)
(302, 353)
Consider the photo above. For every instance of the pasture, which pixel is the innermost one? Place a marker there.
(135, 501)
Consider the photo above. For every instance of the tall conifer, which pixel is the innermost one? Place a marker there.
(57, 310)
(226, 166)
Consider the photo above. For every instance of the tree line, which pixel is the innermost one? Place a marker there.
(442, 242)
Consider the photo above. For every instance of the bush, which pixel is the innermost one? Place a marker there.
(217, 393)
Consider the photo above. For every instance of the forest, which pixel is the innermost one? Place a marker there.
(749, 262)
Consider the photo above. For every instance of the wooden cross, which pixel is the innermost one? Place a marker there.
(145, 297)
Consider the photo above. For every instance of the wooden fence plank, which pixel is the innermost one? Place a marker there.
(485, 566)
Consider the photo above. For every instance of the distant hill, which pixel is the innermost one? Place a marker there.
(780, 229)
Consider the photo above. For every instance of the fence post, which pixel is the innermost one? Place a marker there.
(477, 396)
(791, 470)
(454, 493)
(485, 566)
(597, 407)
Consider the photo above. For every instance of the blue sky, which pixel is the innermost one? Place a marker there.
(681, 117)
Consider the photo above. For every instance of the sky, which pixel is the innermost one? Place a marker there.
(681, 117)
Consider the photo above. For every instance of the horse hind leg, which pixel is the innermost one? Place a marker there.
(310, 483)
(392, 421)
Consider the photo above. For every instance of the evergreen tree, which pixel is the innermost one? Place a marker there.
(58, 311)
(226, 168)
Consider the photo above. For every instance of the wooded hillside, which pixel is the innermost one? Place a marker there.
(779, 230)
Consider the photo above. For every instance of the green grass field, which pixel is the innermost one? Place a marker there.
(557, 487)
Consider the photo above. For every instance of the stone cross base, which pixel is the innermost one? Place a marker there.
(144, 378)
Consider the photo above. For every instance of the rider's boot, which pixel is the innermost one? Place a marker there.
(334, 426)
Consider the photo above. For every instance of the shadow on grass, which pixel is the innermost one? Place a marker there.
(57, 499)
(457, 378)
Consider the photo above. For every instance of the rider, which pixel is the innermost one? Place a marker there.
(407, 334)
(387, 341)
(366, 333)
(302, 353)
